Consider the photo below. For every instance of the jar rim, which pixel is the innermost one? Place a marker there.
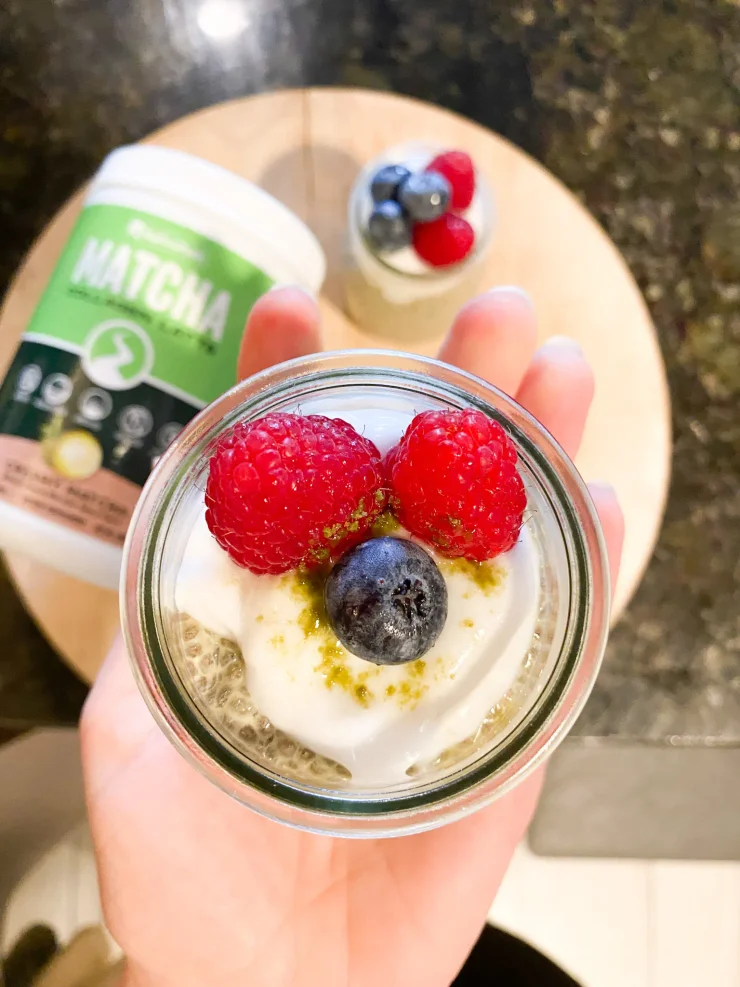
(357, 813)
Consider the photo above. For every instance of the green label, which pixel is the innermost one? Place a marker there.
(139, 327)
(143, 300)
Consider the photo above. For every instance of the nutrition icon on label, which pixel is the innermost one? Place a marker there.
(118, 355)
(167, 434)
(28, 380)
(56, 390)
(135, 421)
(95, 405)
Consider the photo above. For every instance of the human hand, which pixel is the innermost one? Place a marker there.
(199, 890)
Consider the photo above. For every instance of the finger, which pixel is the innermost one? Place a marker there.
(284, 324)
(557, 389)
(494, 337)
(610, 514)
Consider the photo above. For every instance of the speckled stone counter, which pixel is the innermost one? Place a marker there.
(635, 104)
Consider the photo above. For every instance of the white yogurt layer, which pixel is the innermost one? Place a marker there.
(401, 275)
(378, 721)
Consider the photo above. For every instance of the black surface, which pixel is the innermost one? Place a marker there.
(501, 960)
(633, 103)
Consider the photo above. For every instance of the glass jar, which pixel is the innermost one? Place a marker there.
(397, 295)
(556, 673)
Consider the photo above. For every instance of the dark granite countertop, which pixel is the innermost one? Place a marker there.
(635, 104)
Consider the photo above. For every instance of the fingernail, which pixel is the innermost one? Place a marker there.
(603, 490)
(563, 346)
(512, 290)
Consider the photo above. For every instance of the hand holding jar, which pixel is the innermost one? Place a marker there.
(199, 889)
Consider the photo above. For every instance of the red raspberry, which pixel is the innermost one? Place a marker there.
(288, 490)
(445, 241)
(457, 167)
(454, 484)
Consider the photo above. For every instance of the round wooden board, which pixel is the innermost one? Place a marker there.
(306, 147)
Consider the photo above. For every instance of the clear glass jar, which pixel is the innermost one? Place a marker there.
(557, 671)
(398, 296)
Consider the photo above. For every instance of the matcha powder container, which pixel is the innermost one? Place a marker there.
(138, 329)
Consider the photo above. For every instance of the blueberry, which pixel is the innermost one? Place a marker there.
(386, 601)
(385, 183)
(425, 196)
(388, 228)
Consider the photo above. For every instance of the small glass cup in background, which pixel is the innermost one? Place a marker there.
(177, 669)
(409, 306)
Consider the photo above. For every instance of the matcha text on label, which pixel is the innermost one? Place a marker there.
(138, 275)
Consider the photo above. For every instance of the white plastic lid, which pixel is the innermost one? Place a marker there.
(217, 190)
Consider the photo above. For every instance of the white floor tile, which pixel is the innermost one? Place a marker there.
(46, 895)
(695, 924)
(589, 916)
(60, 891)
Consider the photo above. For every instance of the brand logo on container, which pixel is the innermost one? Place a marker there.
(118, 355)
(137, 229)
